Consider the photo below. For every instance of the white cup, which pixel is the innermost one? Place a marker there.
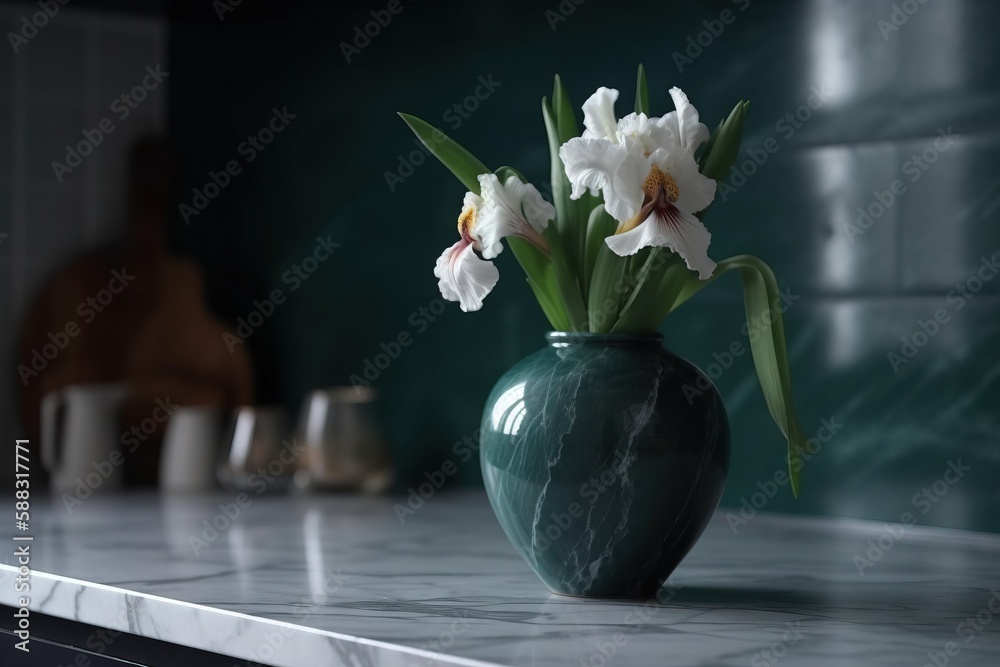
(190, 448)
(79, 435)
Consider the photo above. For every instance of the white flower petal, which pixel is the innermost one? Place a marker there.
(633, 133)
(659, 135)
(696, 191)
(490, 252)
(623, 197)
(683, 124)
(463, 277)
(536, 210)
(590, 163)
(633, 125)
(599, 115)
(683, 233)
(628, 243)
(498, 217)
(512, 209)
(473, 201)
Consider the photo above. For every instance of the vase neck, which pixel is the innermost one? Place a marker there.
(567, 338)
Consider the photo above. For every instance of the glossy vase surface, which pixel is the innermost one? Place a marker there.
(604, 456)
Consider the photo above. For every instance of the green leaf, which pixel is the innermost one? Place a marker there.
(551, 279)
(566, 280)
(607, 287)
(638, 315)
(573, 226)
(461, 162)
(560, 184)
(691, 286)
(541, 277)
(549, 302)
(770, 355)
(706, 148)
(723, 145)
(722, 148)
(600, 225)
(641, 92)
(562, 109)
(564, 236)
(570, 233)
(537, 267)
(673, 281)
(505, 172)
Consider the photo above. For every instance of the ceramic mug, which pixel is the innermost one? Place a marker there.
(190, 447)
(79, 435)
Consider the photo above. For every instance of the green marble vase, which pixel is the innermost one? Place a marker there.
(604, 456)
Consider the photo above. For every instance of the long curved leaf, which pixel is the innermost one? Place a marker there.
(562, 110)
(567, 281)
(600, 225)
(459, 161)
(607, 287)
(573, 225)
(564, 236)
(559, 182)
(467, 168)
(768, 348)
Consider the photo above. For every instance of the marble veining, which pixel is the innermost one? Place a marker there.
(647, 461)
(339, 581)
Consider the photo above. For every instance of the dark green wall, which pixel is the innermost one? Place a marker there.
(885, 94)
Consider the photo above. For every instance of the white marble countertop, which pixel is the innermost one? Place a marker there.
(340, 581)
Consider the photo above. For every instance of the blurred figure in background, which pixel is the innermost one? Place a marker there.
(140, 318)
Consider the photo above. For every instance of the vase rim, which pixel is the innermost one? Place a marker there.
(583, 337)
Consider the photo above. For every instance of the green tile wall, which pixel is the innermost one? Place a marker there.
(884, 98)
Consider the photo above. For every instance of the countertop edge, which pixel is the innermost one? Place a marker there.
(220, 631)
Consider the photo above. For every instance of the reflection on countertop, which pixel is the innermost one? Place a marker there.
(341, 578)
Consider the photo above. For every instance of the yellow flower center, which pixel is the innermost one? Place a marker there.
(658, 184)
(658, 179)
(467, 222)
